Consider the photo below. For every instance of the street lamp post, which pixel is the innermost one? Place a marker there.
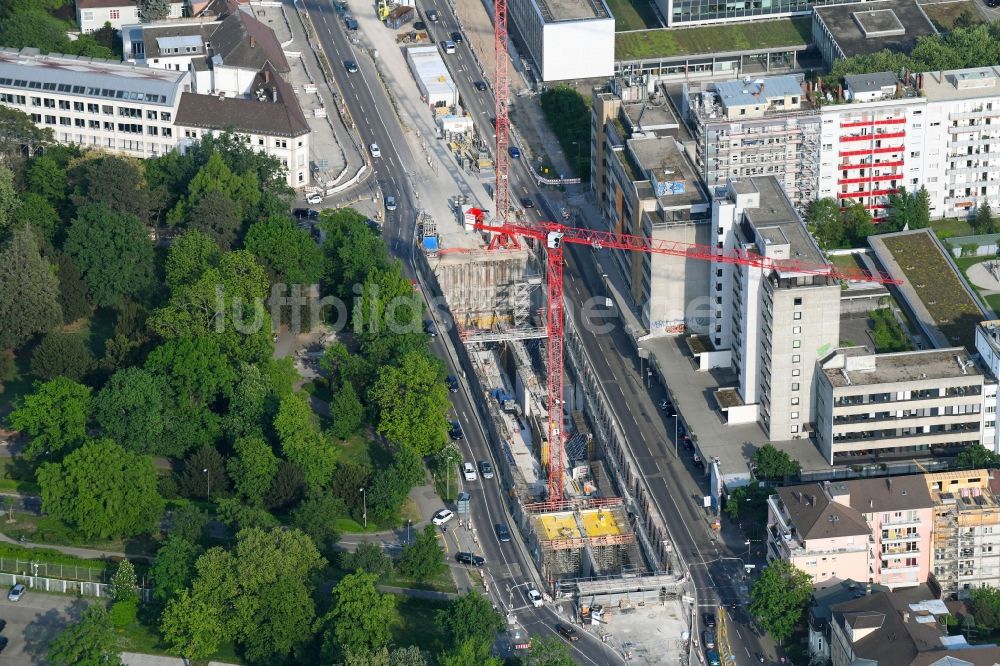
(208, 484)
(407, 530)
(747, 544)
(364, 506)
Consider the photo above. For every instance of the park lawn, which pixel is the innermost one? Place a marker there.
(633, 15)
(138, 637)
(360, 450)
(949, 227)
(51, 531)
(994, 302)
(944, 14)
(845, 261)
(443, 582)
(416, 625)
(712, 39)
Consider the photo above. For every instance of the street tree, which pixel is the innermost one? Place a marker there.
(54, 417)
(977, 456)
(390, 488)
(112, 251)
(192, 626)
(29, 291)
(749, 503)
(131, 409)
(779, 597)
(347, 411)
(360, 619)
(368, 557)
(89, 642)
(173, 568)
(412, 400)
(61, 354)
(252, 468)
(352, 250)
(124, 583)
(470, 616)
(424, 558)
(772, 464)
(288, 253)
(302, 441)
(102, 490)
(549, 651)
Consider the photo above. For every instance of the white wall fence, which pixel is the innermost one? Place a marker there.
(61, 578)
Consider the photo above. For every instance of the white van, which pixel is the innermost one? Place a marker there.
(448, 46)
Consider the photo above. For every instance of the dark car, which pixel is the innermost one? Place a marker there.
(453, 383)
(455, 431)
(456, 37)
(527, 202)
(3, 624)
(305, 213)
(712, 657)
(708, 639)
(992, 3)
(3, 643)
(493, 121)
(486, 469)
(503, 532)
(351, 24)
(568, 632)
(429, 328)
(351, 66)
(432, 15)
(419, 25)
(469, 558)
(480, 85)
(514, 152)
(708, 619)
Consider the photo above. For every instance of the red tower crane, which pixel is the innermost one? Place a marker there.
(554, 235)
(501, 195)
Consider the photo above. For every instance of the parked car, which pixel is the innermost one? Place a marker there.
(708, 619)
(455, 431)
(480, 86)
(375, 150)
(712, 657)
(469, 472)
(514, 152)
(305, 213)
(350, 23)
(3, 643)
(535, 597)
(456, 37)
(419, 25)
(453, 383)
(568, 632)
(3, 624)
(442, 517)
(468, 558)
(390, 202)
(503, 532)
(314, 198)
(351, 66)
(16, 592)
(708, 639)
(486, 469)
(429, 328)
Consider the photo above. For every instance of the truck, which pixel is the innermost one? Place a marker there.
(399, 17)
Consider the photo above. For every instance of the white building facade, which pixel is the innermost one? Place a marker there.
(566, 39)
(91, 15)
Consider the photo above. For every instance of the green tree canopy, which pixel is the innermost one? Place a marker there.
(192, 626)
(977, 456)
(204, 475)
(361, 618)
(102, 490)
(984, 602)
(29, 291)
(61, 354)
(773, 465)
(190, 255)
(288, 253)
(74, 298)
(124, 583)
(983, 222)
(412, 402)
(568, 115)
(89, 642)
(424, 558)
(302, 441)
(131, 409)
(252, 468)
(368, 557)
(115, 182)
(779, 597)
(54, 417)
(352, 250)
(347, 411)
(317, 516)
(196, 369)
(113, 252)
(470, 616)
(173, 568)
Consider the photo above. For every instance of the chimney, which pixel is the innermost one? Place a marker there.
(253, 42)
(888, 483)
(906, 616)
(267, 75)
(274, 95)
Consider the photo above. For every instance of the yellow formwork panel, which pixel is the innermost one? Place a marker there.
(600, 523)
(558, 526)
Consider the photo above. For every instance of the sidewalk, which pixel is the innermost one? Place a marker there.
(84, 553)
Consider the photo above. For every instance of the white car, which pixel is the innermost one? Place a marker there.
(375, 150)
(442, 517)
(469, 471)
(16, 592)
(535, 598)
(314, 198)
(390, 202)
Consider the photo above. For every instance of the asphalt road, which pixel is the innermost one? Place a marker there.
(376, 122)
(32, 624)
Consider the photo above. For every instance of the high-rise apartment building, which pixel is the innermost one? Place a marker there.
(566, 39)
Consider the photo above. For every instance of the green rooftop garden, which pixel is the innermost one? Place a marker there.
(712, 39)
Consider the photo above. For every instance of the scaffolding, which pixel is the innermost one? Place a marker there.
(585, 542)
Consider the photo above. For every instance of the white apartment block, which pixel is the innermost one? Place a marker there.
(988, 348)
(566, 39)
(95, 103)
(901, 405)
(91, 15)
(773, 323)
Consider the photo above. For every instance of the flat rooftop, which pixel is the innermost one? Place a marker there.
(739, 93)
(863, 28)
(649, 116)
(903, 367)
(552, 526)
(962, 83)
(601, 523)
(777, 221)
(572, 10)
(664, 162)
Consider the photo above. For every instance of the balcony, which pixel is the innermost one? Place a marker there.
(873, 136)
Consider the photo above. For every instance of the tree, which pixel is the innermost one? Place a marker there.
(287, 486)
(779, 598)
(131, 409)
(196, 369)
(347, 478)
(368, 557)
(424, 558)
(89, 642)
(192, 627)
(204, 475)
(153, 10)
(29, 291)
(251, 405)
(548, 651)
(567, 114)
(252, 468)
(303, 443)
(389, 489)
(116, 183)
(773, 465)
(823, 220)
(977, 456)
(41, 215)
(749, 503)
(18, 133)
(215, 176)
(347, 411)
(173, 568)
(74, 299)
(984, 602)
(921, 209)
(218, 217)
(102, 490)
(61, 354)
(983, 222)
(238, 516)
(54, 417)
(46, 177)
(360, 619)
(887, 334)
(288, 253)
(470, 617)
(188, 522)
(472, 653)
(124, 583)
(317, 516)
(412, 401)
(858, 224)
(190, 255)
(113, 252)
(352, 250)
